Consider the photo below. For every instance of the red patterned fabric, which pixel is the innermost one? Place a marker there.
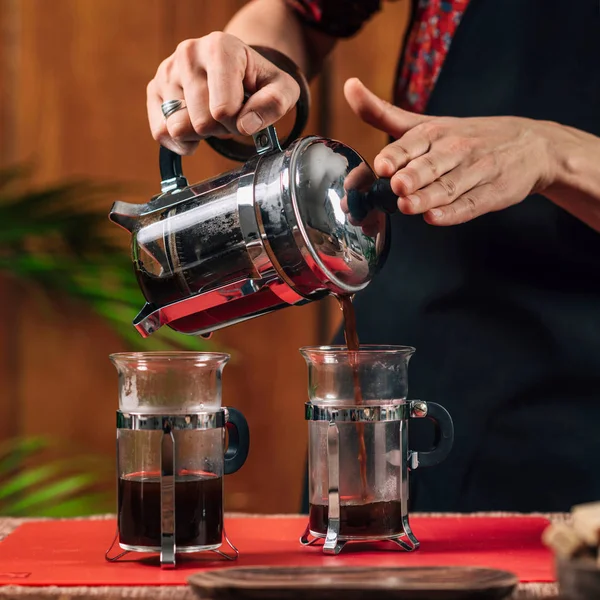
(427, 44)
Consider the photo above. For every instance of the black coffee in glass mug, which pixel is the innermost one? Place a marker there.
(171, 451)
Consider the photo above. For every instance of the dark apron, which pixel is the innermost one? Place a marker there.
(504, 311)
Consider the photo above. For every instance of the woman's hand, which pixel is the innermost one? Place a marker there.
(452, 170)
(210, 75)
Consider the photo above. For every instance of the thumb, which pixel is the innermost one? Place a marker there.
(379, 113)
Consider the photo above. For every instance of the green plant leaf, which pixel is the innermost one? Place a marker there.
(14, 451)
(89, 504)
(67, 486)
(30, 477)
(51, 240)
(59, 486)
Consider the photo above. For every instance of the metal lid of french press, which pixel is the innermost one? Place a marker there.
(326, 182)
(342, 237)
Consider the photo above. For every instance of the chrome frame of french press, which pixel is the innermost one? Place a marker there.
(167, 424)
(334, 542)
(174, 191)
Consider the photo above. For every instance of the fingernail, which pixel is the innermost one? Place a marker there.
(404, 181)
(436, 213)
(251, 123)
(405, 204)
(383, 166)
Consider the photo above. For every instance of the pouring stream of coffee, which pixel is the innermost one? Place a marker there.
(353, 345)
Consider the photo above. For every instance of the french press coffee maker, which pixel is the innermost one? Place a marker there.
(171, 454)
(286, 228)
(359, 458)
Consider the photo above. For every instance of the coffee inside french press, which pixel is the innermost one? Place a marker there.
(353, 345)
(198, 506)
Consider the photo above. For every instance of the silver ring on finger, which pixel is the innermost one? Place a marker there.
(171, 106)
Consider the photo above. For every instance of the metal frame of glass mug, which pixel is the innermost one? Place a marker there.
(167, 424)
(399, 413)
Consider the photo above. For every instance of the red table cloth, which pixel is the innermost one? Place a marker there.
(71, 553)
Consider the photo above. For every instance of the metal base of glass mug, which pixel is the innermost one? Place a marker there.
(184, 550)
(334, 543)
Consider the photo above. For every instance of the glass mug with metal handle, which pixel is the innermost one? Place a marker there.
(171, 453)
(359, 460)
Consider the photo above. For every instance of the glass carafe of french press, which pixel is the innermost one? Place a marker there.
(296, 222)
(171, 454)
(359, 460)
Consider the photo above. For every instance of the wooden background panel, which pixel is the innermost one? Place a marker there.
(8, 300)
(83, 68)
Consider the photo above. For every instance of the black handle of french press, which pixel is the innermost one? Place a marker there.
(170, 164)
(239, 441)
(234, 150)
(382, 196)
(379, 196)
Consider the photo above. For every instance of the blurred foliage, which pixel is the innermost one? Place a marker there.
(56, 244)
(53, 239)
(33, 485)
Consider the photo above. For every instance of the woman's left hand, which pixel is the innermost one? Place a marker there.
(452, 170)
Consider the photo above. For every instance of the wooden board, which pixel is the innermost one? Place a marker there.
(291, 583)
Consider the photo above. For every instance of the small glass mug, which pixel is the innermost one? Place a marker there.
(171, 454)
(358, 418)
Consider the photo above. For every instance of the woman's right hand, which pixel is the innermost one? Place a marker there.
(211, 75)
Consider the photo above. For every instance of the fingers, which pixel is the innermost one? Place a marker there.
(474, 203)
(463, 209)
(443, 191)
(398, 154)
(276, 94)
(423, 171)
(160, 126)
(226, 63)
(379, 113)
(196, 122)
(425, 168)
(156, 119)
(210, 74)
(415, 143)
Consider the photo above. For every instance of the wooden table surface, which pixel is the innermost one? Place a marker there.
(7, 525)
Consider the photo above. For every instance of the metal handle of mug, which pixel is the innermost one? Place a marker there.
(444, 429)
(167, 497)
